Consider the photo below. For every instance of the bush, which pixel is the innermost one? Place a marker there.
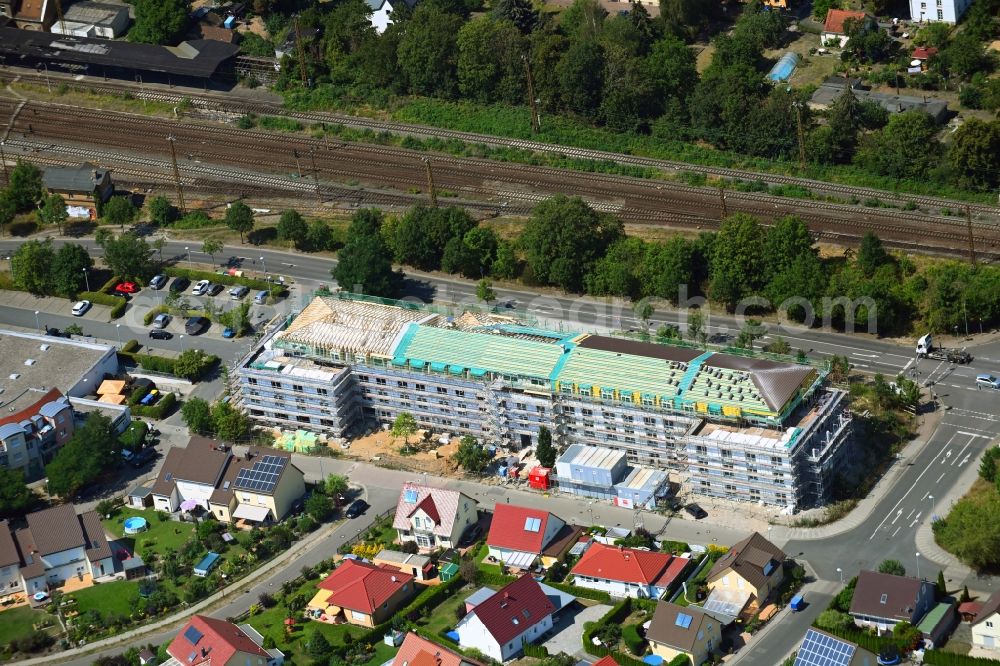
(586, 593)
(100, 298)
(130, 346)
(162, 409)
(633, 640)
(148, 318)
(219, 278)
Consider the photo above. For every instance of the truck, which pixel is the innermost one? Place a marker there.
(926, 349)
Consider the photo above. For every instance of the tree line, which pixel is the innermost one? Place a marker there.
(567, 244)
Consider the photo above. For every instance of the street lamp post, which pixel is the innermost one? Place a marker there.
(841, 572)
(37, 325)
(264, 264)
(933, 503)
(918, 566)
(118, 332)
(188, 250)
(86, 278)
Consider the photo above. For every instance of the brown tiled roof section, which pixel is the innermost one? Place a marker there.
(636, 348)
(748, 558)
(97, 541)
(901, 593)
(55, 530)
(989, 607)
(221, 494)
(201, 462)
(163, 486)
(563, 540)
(33, 565)
(776, 381)
(31, 10)
(664, 628)
(8, 551)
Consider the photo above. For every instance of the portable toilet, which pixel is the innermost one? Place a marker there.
(540, 478)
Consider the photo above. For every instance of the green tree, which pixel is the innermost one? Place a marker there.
(545, 452)
(197, 415)
(581, 77)
(784, 242)
(667, 332)
(685, 17)
(84, 457)
(778, 346)
(894, 567)
(8, 210)
(318, 647)
(907, 147)
(751, 331)
(907, 635)
(871, 254)
(988, 465)
(193, 363)
(403, 426)
(737, 269)
(336, 484)
(484, 291)
(974, 155)
(292, 228)
(230, 423)
(24, 185)
(671, 72)
(505, 265)
(696, 326)
(364, 261)
(428, 52)
(67, 269)
(211, 247)
(318, 506)
(319, 236)
(490, 61)
(31, 266)
(15, 495)
(161, 211)
(833, 620)
(471, 455)
(160, 21)
(129, 256)
(519, 12)
(942, 585)
(238, 319)
(563, 238)
(666, 267)
(239, 217)
(971, 531)
(53, 211)
(120, 211)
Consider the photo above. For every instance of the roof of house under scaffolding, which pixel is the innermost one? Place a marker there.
(486, 346)
(197, 58)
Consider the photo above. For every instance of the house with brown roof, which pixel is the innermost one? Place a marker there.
(881, 601)
(751, 570)
(834, 28)
(10, 561)
(502, 624)
(57, 545)
(418, 651)
(206, 641)
(687, 630)
(433, 517)
(260, 486)
(986, 625)
(367, 595)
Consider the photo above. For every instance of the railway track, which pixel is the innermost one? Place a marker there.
(234, 107)
(483, 185)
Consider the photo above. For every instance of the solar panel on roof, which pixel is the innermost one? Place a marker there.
(683, 620)
(818, 649)
(193, 635)
(410, 495)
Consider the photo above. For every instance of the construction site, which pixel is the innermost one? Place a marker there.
(740, 427)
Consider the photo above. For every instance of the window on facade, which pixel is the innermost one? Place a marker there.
(460, 394)
(701, 449)
(420, 387)
(402, 384)
(252, 380)
(726, 453)
(275, 384)
(297, 387)
(362, 378)
(775, 460)
(940, 15)
(521, 406)
(649, 421)
(441, 389)
(380, 381)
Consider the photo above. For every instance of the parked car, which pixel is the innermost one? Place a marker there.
(158, 334)
(214, 289)
(80, 308)
(158, 281)
(120, 294)
(179, 284)
(201, 288)
(161, 320)
(196, 325)
(143, 457)
(238, 292)
(260, 298)
(228, 332)
(127, 288)
(55, 332)
(988, 381)
(696, 511)
(471, 536)
(358, 507)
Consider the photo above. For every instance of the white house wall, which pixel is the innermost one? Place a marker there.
(472, 633)
(619, 589)
(198, 492)
(10, 579)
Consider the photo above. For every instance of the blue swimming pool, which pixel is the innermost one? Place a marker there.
(784, 68)
(206, 564)
(135, 524)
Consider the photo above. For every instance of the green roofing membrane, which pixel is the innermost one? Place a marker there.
(443, 347)
(625, 372)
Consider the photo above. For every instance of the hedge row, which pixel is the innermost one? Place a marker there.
(148, 318)
(618, 612)
(117, 304)
(221, 278)
(154, 363)
(865, 639)
(636, 643)
(537, 651)
(163, 407)
(490, 578)
(586, 593)
(939, 658)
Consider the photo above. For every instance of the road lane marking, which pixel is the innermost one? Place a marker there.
(925, 496)
(897, 530)
(940, 477)
(962, 451)
(969, 434)
(898, 514)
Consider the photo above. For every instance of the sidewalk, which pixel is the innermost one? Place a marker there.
(954, 570)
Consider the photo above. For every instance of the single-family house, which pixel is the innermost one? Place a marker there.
(366, 594)
(883, 600)
(986, 625)
(627, 572)
(206, 641)
(381, 16)
(751, 570)
(420, 567)
(433, 517)
(685, 630)
(834, 30)
(519, 535)
(80, 185)
(260, 486)
(501, 625)
(10, 561)
(58, 544)
(819, 647)
(418, 651)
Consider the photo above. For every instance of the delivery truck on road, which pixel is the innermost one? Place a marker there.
(926, 349)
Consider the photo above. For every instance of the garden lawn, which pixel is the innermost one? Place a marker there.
(17, 623)
(383, 653)
(117, 598)
(160, 536)
(443, 617)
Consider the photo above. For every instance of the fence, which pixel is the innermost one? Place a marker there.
(360, 536)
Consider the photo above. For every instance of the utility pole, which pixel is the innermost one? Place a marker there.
(3, 159)
(722, 198)
(972, 242)
(312, 156)
(430, 182)
(301, 53)
(298, 165)
(532, 102)
(802, 142)
(59, 13)
(177, 176)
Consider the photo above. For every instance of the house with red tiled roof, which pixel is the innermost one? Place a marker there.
(627, 572)
(206, 641)
(367, 595)
(500, 626)
(834, 29)
(418, 651)
(519, 534)
(433, 517)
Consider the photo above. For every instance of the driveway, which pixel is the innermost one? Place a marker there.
(568, 629)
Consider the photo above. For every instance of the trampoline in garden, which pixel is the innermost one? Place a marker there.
(783, 69)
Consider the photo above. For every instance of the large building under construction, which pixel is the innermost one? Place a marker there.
(739, 427)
